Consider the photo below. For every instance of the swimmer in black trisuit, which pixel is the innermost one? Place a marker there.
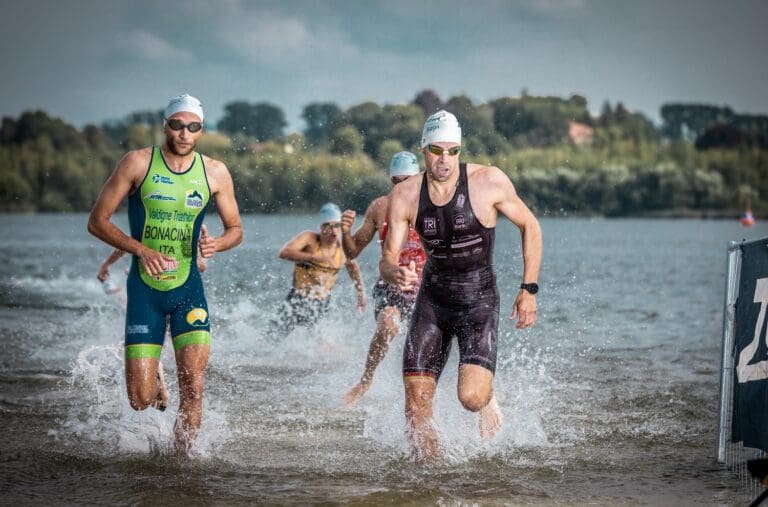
(391, 305)
(168, 189)
(455, 207)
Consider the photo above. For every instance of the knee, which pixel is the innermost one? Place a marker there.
(389, 322)
(139, 399)
(474, 400)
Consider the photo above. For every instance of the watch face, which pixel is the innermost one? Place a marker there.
(533, 288)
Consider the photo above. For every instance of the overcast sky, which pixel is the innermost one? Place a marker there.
(89, 61)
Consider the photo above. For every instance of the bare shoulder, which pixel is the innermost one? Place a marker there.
(407, 191)
(213, 165)
(487, 174)
(379, 202)
(136, 160)
(217, 173)
(302, 240)
(132, 168)
(491, 179)
(307, 236)
(377, 209)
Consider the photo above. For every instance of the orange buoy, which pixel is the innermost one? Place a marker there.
(747, 219)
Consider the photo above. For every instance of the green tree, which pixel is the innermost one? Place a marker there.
(387, 150)
(137, 136)
(364, 118)
(688, 121)
(429, 102)
(346, 141)
(320, 118)
(262, 121)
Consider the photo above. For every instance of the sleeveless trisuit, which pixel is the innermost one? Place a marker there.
(165, 213)
(458, 294)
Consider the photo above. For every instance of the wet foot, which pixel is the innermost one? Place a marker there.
(161, 402)
(490, 420)
(353, 395)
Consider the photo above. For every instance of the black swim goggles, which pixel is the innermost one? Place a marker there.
(176, 124)
(437, 150)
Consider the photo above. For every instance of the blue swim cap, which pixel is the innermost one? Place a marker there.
(404, 163)
(330, 213)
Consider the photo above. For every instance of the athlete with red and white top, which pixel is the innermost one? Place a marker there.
(392, 305)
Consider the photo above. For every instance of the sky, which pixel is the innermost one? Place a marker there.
(88, 61)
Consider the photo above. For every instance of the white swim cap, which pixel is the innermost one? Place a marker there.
(404, 163)
(184, 104)
(441, 127)
(330, 213)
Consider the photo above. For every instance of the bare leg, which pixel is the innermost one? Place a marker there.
(142, 381)
(386, 329)
(475, 391)
(161, 401)
(191, 361)
(419, 393)
(490, 419)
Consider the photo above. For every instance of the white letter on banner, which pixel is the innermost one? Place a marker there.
(758, 371)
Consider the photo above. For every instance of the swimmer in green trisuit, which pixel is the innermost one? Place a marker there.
(168, 189)
(161, 402)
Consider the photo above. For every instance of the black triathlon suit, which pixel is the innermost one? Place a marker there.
(458, 294)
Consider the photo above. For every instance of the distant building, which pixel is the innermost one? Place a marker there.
(580, 133)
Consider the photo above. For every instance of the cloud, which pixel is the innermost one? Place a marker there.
(274, 38)
(147, 46)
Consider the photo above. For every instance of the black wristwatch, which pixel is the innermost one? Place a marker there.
(533, 288)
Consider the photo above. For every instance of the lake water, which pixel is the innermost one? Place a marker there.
(610, 399)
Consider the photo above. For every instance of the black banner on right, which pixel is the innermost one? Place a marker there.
(750, 405)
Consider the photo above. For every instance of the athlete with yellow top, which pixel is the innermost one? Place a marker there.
(318, 257)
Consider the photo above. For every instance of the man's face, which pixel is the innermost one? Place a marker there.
(440, 163)
(182, 142)
(331, 229)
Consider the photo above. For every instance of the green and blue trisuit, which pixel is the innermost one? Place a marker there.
(165, 213)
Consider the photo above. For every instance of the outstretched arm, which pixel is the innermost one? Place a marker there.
(511, 206)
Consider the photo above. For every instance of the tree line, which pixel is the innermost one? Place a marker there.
(702, 159)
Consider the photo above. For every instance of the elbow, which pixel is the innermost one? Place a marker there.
(239, 237)
(531, 227)
(93, 227)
